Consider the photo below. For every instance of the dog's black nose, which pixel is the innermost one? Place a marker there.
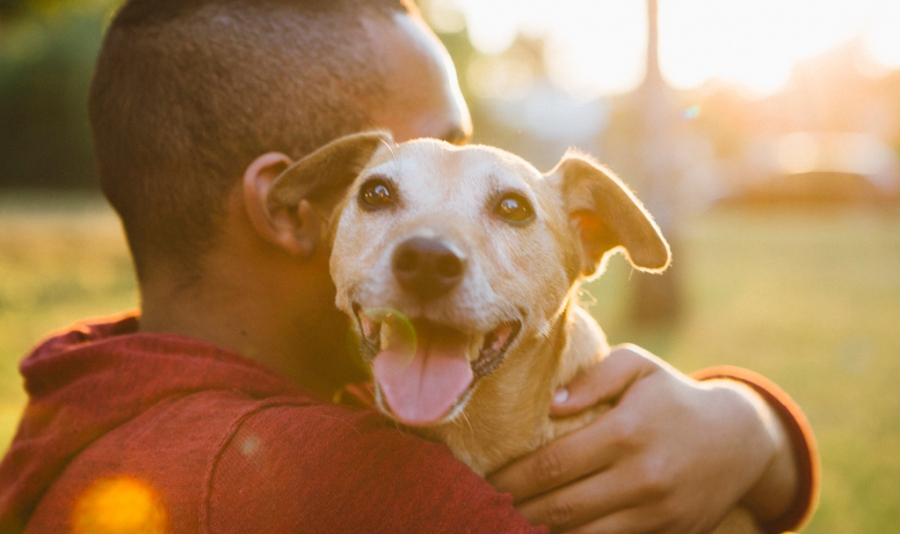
(428, 268)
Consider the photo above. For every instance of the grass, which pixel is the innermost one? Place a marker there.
(812, 301)
(62, 258)
(809, 299)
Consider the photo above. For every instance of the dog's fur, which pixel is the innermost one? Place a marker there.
(523, 270)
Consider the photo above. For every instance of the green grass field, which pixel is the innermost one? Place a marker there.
(809, 299)
(62, 258)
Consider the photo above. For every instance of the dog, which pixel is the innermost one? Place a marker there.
(460, 269)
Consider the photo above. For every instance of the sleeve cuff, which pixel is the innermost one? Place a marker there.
(802, 441)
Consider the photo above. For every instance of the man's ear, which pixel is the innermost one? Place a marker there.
(606, 217)
(288, 202)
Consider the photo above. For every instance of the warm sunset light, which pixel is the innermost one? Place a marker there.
(455, 303)
(597, 47)
(120, 505)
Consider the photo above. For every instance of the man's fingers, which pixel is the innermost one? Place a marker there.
(568, 458)
(603, 499)
(578, 503)
(627, 521)
(604, 382)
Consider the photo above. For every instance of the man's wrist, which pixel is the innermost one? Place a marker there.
(792, 476)
(776, 489)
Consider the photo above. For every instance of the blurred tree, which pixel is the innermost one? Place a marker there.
(47, 54)
(11, 8)
(642, 121)
(655, 298)
(448, 22)
(501, 75)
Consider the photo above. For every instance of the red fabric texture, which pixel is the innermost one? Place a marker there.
(224, 444)
(799, 432)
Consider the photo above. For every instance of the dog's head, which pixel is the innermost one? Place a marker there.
(449, 257)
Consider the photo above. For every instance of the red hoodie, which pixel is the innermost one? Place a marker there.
(176, 435)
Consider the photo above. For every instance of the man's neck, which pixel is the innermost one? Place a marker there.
(293, 328)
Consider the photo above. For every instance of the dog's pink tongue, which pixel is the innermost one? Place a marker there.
(423, 389)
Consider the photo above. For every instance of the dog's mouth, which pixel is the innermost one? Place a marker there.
(425, 372)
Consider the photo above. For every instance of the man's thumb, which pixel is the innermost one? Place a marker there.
(605, 382)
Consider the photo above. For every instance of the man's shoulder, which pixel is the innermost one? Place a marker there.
(222, 461)
(166, 447)
(332, 468)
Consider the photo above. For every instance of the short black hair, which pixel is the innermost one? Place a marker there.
(186, 93)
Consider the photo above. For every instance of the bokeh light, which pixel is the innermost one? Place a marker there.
(598, 48)
(395, 331)
(119, 505)
(882, 35)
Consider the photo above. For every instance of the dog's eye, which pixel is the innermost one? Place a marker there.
(514, 208)
(375, 194)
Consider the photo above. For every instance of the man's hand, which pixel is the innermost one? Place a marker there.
(672, 455)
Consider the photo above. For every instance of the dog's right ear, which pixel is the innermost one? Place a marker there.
(287, 202)
(607, 217)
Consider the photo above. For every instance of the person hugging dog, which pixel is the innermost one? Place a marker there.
(209, 409)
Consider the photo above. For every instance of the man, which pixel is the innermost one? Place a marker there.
(205, 413)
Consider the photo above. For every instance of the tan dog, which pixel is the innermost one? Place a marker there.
(461, 267)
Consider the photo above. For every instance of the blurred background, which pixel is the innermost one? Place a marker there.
(763, 135)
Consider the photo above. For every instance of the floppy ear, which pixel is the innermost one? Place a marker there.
(288, 202)
(322, 177)
(606, 216)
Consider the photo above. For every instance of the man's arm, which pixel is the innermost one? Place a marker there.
(672, 454)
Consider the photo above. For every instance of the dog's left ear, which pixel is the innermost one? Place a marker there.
(322, 177)
(606, 217)
(287, 202)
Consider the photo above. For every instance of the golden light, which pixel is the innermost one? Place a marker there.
(119, 505)
(491, 77)
(883, 36)
(598, 47)
(752, 43)
(592, 47)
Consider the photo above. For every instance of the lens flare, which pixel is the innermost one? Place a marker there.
(692, 112)
(119, 505)
(394, 330)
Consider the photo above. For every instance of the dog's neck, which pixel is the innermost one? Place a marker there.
(508, 414)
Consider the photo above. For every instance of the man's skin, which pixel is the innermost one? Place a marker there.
(673, 455)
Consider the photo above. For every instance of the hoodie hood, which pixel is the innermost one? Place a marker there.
(86, 381)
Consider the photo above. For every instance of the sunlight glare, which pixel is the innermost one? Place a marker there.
(491, 29)
(119, 505)
(883, 36)
(753, 43)
(592, 47)
(596, 48)
(602, 49)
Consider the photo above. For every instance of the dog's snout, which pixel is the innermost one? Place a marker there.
(428, 268)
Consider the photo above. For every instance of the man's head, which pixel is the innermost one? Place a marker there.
(188, 93)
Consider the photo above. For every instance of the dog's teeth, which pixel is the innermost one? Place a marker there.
(500, 337)
(368, 325)
(475, 346)
(386, 331)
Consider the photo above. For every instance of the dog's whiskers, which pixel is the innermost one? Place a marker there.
(465, 416)
(390, 147)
